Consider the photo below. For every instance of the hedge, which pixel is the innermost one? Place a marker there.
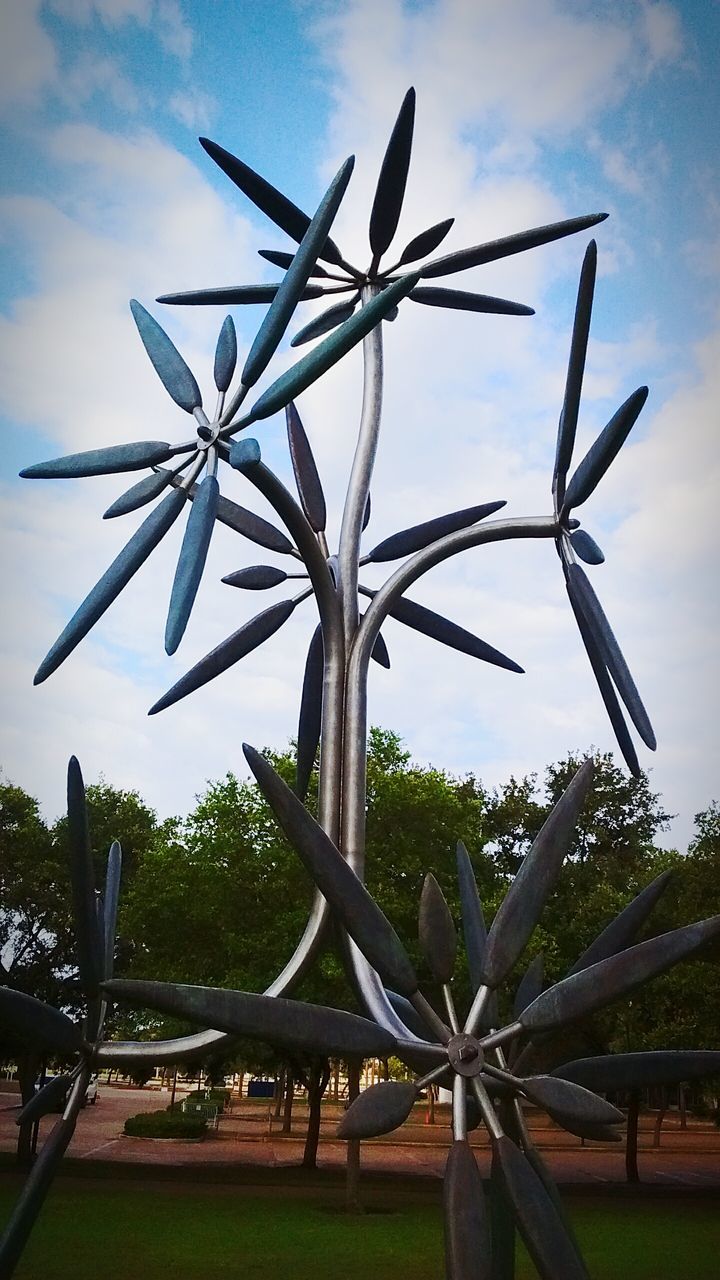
(165, 1124)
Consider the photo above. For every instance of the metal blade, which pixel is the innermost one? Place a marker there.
(621, 1071)
(325, 322)
(287, 1024)
(571, 1105)
(165, 358)
(494, 249)
(33, 1194)
(607, 689)
(438, 628)
(474, 931)
(233, 295)
(461, 300)
(586, 547)
(191, 561)
(426, 242)
(49, 1098)
(230, 651)
(310, 721)
(346, 894)
(309, 487)
(245, 522)
(225, 355)
(593, 988)
(284, 260)
(620, 932)
(523, 903)
(605, 449)
(546, 1240)
(138, 495)
(530, 986)
(390, 190)
(124, 566)
(378, 1110)
(576, 367)
(88, 943)
(421, 535)
(467, 1233)
(101, 462)
(112, 898)
(438, 938)
(257, 577)
(38, 1023)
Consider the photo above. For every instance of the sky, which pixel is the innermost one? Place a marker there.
(528, 111)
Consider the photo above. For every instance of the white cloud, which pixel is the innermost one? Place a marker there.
(192, 107)
(28, 64)
(163, 17)
(661, 27)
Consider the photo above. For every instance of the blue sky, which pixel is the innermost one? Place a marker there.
(528, 111)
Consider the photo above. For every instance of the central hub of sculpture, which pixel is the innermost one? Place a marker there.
(466, 1056)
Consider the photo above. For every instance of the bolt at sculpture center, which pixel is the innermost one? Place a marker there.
(488, 1065)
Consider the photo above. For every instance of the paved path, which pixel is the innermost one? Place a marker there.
(689, 1158)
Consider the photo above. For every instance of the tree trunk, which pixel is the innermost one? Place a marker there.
(289, 1096)
(660, 1117)
(28, 1070)
(683, 1107)
(430, 1115)
(385, 1065)
(317, 1084)
(631, 1143)
(352, 1168)
(241, 1081)
(279, 1092)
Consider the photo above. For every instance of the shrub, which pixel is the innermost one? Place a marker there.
(165, 1124)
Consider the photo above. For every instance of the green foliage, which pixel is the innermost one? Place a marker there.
(165, 1124)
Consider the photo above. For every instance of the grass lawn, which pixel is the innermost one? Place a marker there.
(162, 1231)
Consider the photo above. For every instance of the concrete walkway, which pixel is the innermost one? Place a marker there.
(249, 1138)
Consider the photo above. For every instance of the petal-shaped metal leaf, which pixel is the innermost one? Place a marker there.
(366, 514)
(191, 561)
(310, 719)
(426, 242)
(474, 931)
(581, 593)
(576, 367)
(377, 1110)
(257, 577)
(438, 628)
(467, 1233)
(49, 1098)
(380, 653)
(325, 322)
(522, 905)
(531, 984)
(38, 1023)
(272, 202)
(626, 925)
(32, 1196)
(309, 488)
(238, 295)
(347, 895)
(607, 690)
(571, 1104)
(287, 1024)
(124, 566)
(327, 353)
(494, 249)
(621, 1071)
(421, 535)
(284, 260)
(226, 654)
(586, 547)
(405, 1010)
(543, 1231)
(89, 945)
(390, 190)
(225, 355)
(140, 494)
(111, 899)
(169, 365)
(245, 522)
(436, 930)
(535, 1159)
(101, 462)
(292, 287)
(608, 980)
(607, 446)
(461, 300)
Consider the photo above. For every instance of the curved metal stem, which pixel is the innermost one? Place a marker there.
(459, 1109)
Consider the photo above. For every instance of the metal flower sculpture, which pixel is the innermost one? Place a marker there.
(489, 1065)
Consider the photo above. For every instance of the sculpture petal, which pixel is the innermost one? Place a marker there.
(438, 628)
(421, 535)
(32, 1196)
(605, 449)
(438, 938)
(111, 900)
(530, 986)
(139, 494)
(586, 547)
(576, 367)
(461, 300)
(292, 287)
(620, 932)
(257, 577)
(191, 561)
(286, 1024)
(38, 1022)
(323, 323)
(51, 1096)
(426, 242)
(169, 365)
(89, 945)
(227, 653)
(474, 932)
(284, 260)
(523, 903)
(494, 249)
(380, 653)
(101, 462)
(607, 690)
(608, 980)
(225, 355)
(346, 894)
(621, 1071)
(327, 353)
(238, 295)
(310, 720)
(467, 1233)
(571, 1104)
(390, 190)
(310, 490)
(378, 1110)
(245, 522)
(548, 1243)
(122, 569)
(272, 202)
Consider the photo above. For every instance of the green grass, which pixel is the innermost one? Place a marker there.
(163, 1231)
